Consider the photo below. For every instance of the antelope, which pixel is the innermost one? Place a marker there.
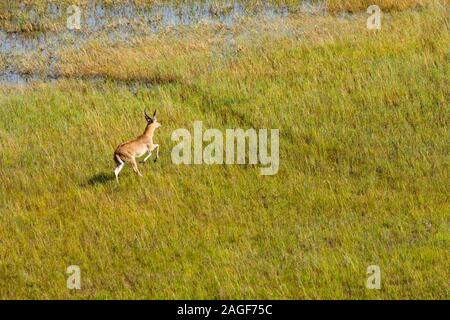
(128, 152)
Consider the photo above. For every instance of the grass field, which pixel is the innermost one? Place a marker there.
(363, 180)
(32, 15)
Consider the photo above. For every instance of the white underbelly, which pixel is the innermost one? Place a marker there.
(140, 153)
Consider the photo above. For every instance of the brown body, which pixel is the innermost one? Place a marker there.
(128, 152)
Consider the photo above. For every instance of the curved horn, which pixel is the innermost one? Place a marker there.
(145, 112)
(154, 113)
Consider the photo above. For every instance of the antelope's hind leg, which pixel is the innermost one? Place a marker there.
(119, 168)
(135, 167)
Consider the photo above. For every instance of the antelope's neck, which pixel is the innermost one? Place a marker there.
(148, 133)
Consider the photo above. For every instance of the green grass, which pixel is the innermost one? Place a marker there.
(363, 179)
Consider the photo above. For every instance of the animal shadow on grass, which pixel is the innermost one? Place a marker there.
(100, 178)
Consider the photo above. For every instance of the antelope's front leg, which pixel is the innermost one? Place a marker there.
(157, 151)
(149, 153)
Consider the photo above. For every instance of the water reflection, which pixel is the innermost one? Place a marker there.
(124, 22)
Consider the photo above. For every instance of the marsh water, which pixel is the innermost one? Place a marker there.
(120, 24)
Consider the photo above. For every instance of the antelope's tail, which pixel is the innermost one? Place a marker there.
(117, 159)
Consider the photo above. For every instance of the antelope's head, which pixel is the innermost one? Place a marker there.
(152, 121)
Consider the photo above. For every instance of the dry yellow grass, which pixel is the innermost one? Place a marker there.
(352, 5)
(17, 19)
(2, 63)
(153, 60)
(385, 5)
(186, 53)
